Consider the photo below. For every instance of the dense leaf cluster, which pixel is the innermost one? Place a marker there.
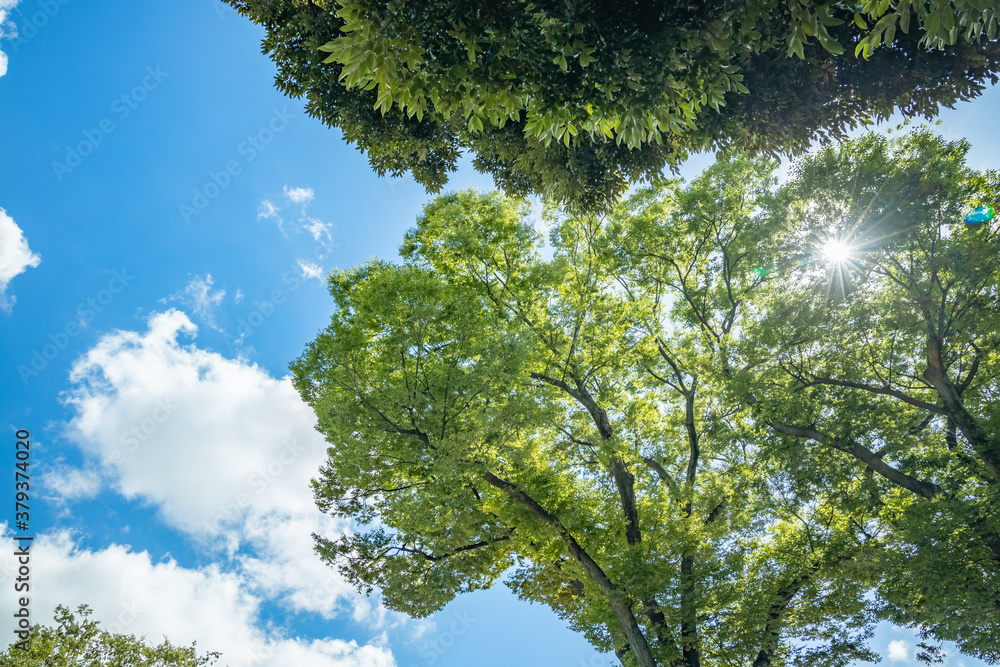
(681, 426)
(77, 641)
(577, 100)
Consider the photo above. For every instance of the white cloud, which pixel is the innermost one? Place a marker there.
(222, 448)
(7, 29)
(305, 584)
(15, 255)
(148, 406)
(131, 594)
(299, 195)
(239, 296)
(311, 270)
(5, 7)
(900, 651)
(69, 483)
(199, 297)
(303, 196)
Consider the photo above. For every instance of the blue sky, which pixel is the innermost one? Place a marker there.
(168, 218)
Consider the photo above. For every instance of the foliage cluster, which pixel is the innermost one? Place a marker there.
(578, 100)
(77, 641)
(679, 425)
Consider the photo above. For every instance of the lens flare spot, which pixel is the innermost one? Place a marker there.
(979, 215)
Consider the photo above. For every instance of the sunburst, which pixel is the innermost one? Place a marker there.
(837, 252)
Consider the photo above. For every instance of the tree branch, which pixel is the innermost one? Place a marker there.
(624, 482)
(887, 391)
(863, 454)
(468, 547)
(661, 472)
(692, 469)
(619, 599)
(776, 612)
(937, 375)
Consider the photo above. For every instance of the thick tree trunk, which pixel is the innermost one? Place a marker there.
(689, 615)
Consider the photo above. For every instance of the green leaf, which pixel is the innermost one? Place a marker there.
(831, 45)
(890, 33)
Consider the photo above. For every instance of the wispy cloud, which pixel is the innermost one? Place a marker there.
(69, 484)
(200, 298)
(267, 210)
(318, 228)
(15, 255)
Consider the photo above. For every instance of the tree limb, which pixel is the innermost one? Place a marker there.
(887, 391)
(863, 454)
(776, 612)
(619, 599)
(661, 472)
(468, 547)
(937, 375)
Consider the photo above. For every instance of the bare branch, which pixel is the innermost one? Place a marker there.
(468, 547)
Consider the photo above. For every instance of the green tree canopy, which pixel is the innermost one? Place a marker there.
(632, 423)
(891, 359)
(78, 641)
(577, 100)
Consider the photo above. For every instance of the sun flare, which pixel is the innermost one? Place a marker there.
(836, 251)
